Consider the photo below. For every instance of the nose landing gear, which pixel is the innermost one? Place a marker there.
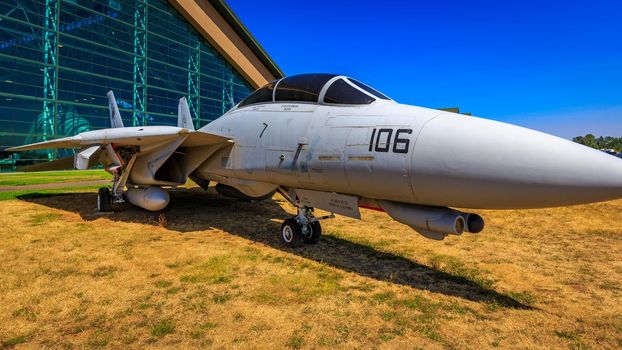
(296, 231)
(302, 228)
(293, 236)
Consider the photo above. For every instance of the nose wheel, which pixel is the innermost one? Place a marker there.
(291, 233)
(314, 233)
(303, 228)
(294, 234)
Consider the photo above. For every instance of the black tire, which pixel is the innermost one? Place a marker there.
(104, 200)
(315, 233)
(291, 233)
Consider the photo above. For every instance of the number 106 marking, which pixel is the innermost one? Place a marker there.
(380, 140)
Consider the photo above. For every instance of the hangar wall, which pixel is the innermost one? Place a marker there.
(58, 58)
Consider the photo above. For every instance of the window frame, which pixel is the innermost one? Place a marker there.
(275, 83)
(347, 81)
(322, 94)
(377, 94)
(319, 92)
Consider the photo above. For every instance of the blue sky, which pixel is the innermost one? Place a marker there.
(554, 66)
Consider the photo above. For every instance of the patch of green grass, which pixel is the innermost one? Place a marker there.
(567, 335)
(221, 298)
(494, 305)
(574, 337)
(251, 254)
(241, 339)
(189, 278)
(26, 312)
(295, 341)
(173, 290)
(524, 297)
(429, 331)
(579, 346)
(40, 219)
(104, 271)
(216, 270)
(162, 328)
(14, 341)
(388, 333)
(196, 334)
(46, 177)
(388, 315)
(453, 266)
(180, 263)
(27, 194)
(420, 303)
(384, 297)
(299, 287)
(610, 285)
(208, 325)
(163, 284)
(267, 297)
(99, 338)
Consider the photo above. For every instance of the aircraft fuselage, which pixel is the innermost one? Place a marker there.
(408, 154)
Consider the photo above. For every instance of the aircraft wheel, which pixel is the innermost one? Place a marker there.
(291, 233)
(104, 200)
(314, 233)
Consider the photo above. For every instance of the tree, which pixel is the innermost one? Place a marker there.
(606, 142)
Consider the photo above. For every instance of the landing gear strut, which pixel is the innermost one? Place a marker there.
(106, 197)
(302, 228)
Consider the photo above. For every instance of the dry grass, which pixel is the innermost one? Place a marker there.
(215, 275)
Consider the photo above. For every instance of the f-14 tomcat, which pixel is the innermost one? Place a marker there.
(330, 142)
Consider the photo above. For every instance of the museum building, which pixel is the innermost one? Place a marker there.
(58, 59)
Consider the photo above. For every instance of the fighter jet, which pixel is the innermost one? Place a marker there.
(330, 142)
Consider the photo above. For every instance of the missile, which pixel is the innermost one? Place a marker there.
(433, 222)
(151, 198)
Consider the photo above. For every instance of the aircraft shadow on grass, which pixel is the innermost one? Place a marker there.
(195, 210)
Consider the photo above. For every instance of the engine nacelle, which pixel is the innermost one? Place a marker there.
(151, 198)
(431, 222)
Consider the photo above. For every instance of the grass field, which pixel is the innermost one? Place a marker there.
(45, 177)
(24, 194)
(211, 272)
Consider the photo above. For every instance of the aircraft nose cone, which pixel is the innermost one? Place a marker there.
(477, 163)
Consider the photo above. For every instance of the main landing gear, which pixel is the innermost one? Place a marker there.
(104, 200)
(105, 197)
(302, 228)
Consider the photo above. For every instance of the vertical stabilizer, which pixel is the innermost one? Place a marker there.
(115, 116)
(184, 119)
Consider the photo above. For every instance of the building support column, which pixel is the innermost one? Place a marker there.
(227, 94)
(140, 63)
(50, 72)
(194, 81)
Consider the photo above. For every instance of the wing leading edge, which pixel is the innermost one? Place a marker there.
(134, 136)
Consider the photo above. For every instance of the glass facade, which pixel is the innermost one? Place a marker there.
(58, 59)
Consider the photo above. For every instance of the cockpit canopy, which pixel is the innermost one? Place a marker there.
(315, 88)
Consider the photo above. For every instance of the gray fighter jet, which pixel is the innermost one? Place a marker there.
(330, 142)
